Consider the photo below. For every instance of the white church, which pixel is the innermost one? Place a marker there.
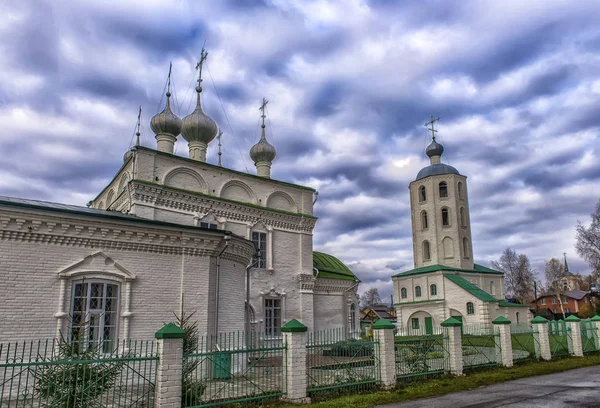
(167, 234)
(445, 282)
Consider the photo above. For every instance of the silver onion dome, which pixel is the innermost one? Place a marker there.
(263, 151)
(166, 121)
(434, 149)
(197, 126)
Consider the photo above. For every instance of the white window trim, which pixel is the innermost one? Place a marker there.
(272, 294)
(261, 227)
(210, 218)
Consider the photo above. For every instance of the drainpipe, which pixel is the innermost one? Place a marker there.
(251, 265)
(317, 271)
(226, 238)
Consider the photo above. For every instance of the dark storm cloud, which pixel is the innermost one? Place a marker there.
(351, 84)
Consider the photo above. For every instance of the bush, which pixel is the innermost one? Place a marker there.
(351, 348)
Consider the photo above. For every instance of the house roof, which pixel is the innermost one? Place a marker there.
(378, 312)
(573, 294)
(436, 268)
(329, 267)
(469, 287)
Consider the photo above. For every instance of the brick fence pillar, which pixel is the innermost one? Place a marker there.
(542, 339)
(294, 335)
(170, 367)
(383, 334)
(595, 321)
(454, 344)
(504, 349)
(574, 337)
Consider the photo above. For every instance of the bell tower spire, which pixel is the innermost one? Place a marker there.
(166, 125)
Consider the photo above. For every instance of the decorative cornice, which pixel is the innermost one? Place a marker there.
(332, 286)
(306, 283)
(63, 231)
(169, 198)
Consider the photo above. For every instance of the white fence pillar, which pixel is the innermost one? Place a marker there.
(574, 339)
(454, 345)
(170, 367)
(542, 340)
(505, 347)
(294, 335)
(383, 334)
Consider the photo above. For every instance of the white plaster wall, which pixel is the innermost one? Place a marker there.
(329, 312)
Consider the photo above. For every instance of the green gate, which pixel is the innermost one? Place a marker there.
(480, 346)
(525, 341)
(421, 356)
(233, 368)
(559, 335)
(589, 337)
(338, 362)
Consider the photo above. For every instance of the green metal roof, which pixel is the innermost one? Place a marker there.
(330, 267)
(436, 268)
(504, 303)
(471, 288)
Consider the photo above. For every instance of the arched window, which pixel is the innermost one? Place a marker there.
(352, 318)
(433, 290)
(517, 317)
(424, 220)
(422, 194)
(443, 189)
(460, 190)
(463, 217)
(426, 251)
(417, 291)
(465, 248)
(403, 293)
(445, 216)
(492, 289)
(470, 308)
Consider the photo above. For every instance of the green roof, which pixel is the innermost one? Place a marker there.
(504, 303)
(436, 268)
(330, 267)
(471, 288)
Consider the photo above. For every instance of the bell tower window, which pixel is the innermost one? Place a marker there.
(443, 189)
(426, 251)
(460, 190)
(424, 220)
(422, 194)
(445, 217)
(465, 248)
(463, 217)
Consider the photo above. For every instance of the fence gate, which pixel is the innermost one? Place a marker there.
(559, 335)
(589, 337)
(524, 342)
(232, 368)
(339, 362)
(65, 374)
(424, 355)
(480, 346)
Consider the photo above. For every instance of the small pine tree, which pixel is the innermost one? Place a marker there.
(192, 389)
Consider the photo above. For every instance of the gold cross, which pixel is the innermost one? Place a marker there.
(432, 122)
(262, 109)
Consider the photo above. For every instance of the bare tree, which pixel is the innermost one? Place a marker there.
(588, 241)
(519, 276)
(370, 297)
(554, 272)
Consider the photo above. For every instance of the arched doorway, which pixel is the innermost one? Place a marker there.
(420, 322)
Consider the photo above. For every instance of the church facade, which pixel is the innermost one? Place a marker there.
(445, 281)
(167, 234)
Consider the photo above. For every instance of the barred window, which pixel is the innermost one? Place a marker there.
(415, 323)
(470, 308)
(94, 314)
(272, 317)
(260, 241)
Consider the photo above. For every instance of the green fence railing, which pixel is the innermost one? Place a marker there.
(480, 346)
(524, 341)
(233, 368)
(339, 362)
(589, 337)
(57, 373)
(420, 356)
(558, 335)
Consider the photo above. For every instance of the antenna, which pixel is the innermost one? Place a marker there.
(137, 133)
(220, 153)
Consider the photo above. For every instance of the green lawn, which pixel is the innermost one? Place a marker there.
(428, 388)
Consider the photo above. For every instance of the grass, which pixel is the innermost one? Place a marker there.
(446, 385)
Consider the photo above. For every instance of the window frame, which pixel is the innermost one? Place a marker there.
(543, 301)
(443, 186)
(418, 291)
(262, 246)
(465, 242)
(414, 323)
(459, 187)
(446, 211)
(424, 221)
(271, 328)
(463, 217)
(433, 289)
(426, 253)
(403, 293)
(422, 192)
(470, 308)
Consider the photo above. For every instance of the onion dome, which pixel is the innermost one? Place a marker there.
(197, 126)
(166, 121)
(263, 151)
(434, 149)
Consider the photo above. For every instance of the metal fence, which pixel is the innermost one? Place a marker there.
(231, 368)
(338, 362)
(57, 373)
(524, 341)
(480, 346)
(589, 337)
(419, 356)
(559, 334)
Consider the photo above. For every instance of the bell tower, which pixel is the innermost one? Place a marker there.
(441, 225)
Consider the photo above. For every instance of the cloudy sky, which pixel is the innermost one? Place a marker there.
(350, 85)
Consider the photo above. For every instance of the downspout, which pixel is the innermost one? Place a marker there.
(251, 265)
(226, 238)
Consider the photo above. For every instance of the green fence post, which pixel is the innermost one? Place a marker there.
(170, 367)
(542, 339)
(294, 363)
(454, 346)
(574, 337)
(383, 334)
(504, 349)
